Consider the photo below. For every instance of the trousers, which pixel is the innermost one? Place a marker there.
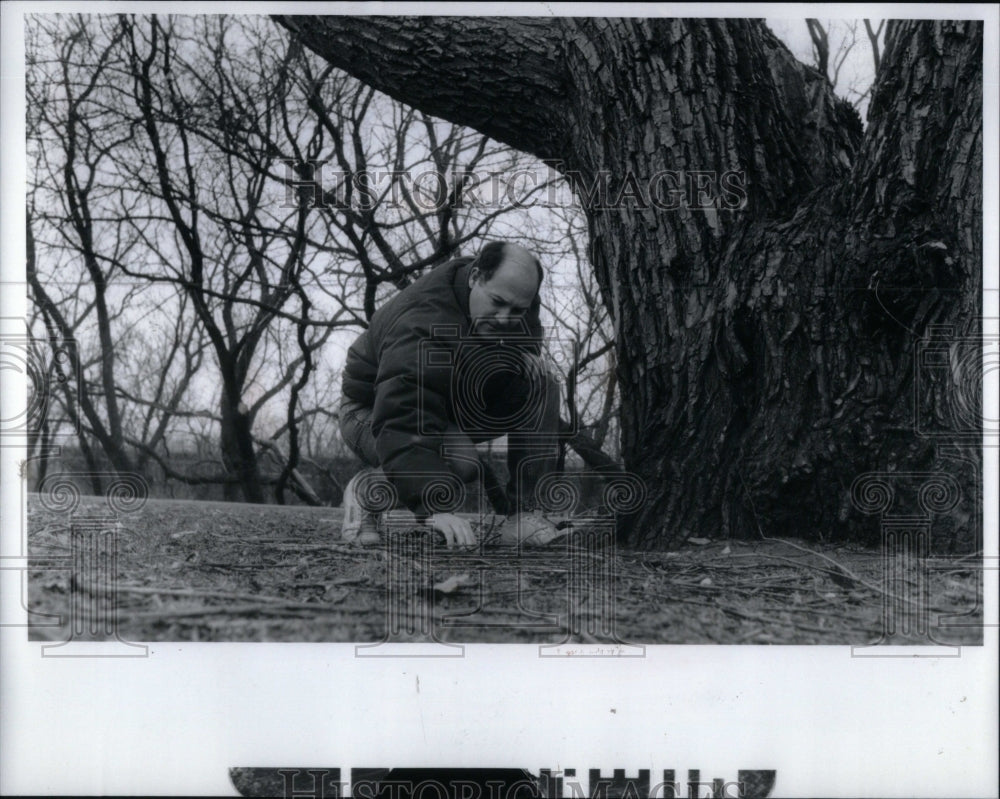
(534, 442)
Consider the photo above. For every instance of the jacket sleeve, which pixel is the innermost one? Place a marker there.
(410, 414)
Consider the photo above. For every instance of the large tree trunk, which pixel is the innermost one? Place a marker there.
(769, 354)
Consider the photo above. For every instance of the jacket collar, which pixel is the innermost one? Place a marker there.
(460, 284)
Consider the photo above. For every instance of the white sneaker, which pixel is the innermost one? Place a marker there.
(360, 525)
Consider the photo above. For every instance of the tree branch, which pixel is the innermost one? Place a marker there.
(462, 72)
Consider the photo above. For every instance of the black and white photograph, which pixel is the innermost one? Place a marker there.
(515, 400)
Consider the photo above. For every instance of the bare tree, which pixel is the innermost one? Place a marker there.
(830, 64)
(582, 339)
(74, 251)
(219, 180)
(873, 40)
(833, 42)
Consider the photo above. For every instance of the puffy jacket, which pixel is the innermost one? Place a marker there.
(406, 367)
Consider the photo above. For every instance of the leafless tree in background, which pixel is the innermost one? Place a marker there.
(202, 219)
(832, 44)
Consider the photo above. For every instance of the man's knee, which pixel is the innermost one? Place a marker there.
(356, 431)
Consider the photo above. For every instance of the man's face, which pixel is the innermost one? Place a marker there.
(500, 303)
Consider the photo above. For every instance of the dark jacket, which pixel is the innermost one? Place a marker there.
(408, 366)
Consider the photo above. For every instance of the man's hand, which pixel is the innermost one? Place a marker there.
(456, 530)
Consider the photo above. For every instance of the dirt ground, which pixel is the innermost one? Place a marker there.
(210, 571)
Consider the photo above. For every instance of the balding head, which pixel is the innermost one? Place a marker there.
(503, 282)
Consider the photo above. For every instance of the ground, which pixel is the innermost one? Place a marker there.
(212, 571)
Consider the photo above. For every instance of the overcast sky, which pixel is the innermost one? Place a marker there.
(858, 71)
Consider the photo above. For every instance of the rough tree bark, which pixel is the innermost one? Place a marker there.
(766, 353)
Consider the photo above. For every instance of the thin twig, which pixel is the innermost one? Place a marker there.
(841, 570)
(193, 592)
(232, 610)
(287, 607)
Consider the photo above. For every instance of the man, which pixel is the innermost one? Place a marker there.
(452, 360)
